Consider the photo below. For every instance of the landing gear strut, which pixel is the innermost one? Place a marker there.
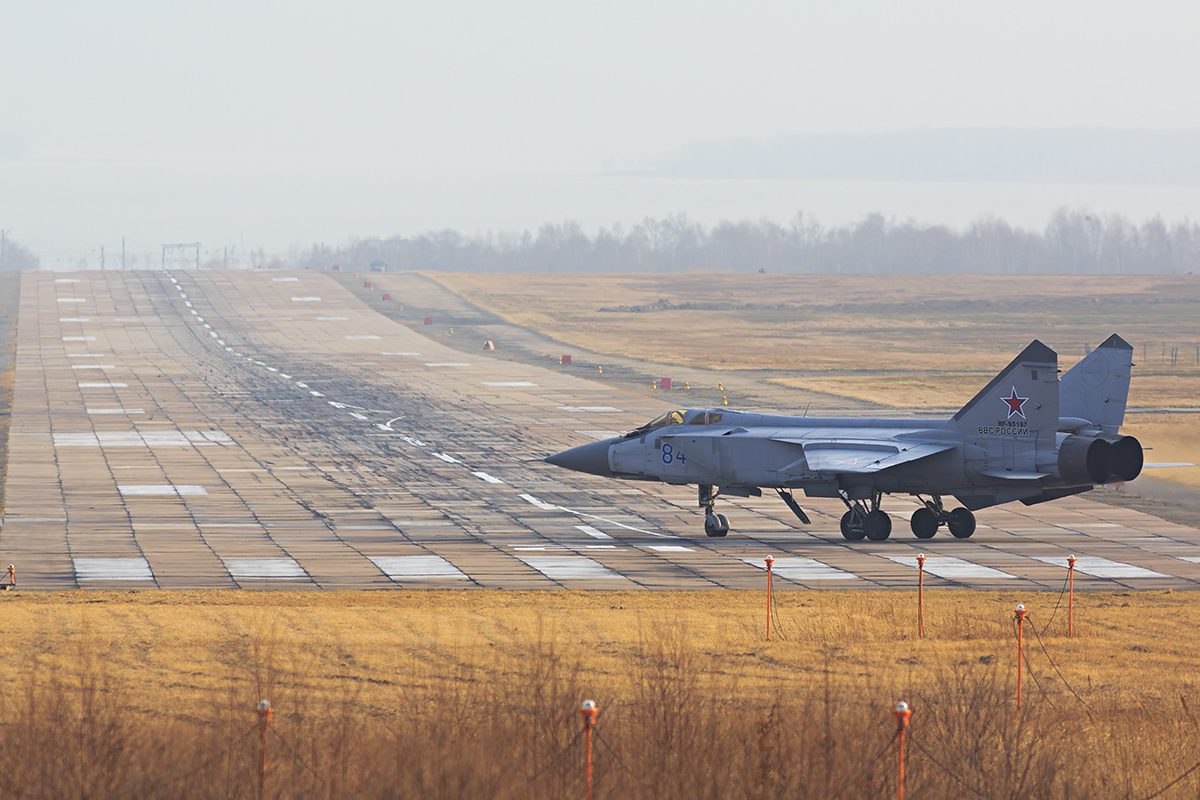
(715, 525)
(860, 521)
(926, 521)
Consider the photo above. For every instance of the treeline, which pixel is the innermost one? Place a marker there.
(15, 256)
(1074, 242)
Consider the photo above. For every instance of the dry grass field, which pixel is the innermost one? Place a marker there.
(472, 694)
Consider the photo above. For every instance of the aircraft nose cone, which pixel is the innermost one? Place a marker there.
(591, 458)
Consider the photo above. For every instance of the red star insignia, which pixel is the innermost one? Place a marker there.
(1015, 404)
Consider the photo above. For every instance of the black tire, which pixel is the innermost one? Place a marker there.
(849, 530)
(877, 526)
(962, 523)
(712, 526)
(723, 521)
(924, 523)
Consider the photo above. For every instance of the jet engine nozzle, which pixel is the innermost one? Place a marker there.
(1127, 457)
(1084, 460)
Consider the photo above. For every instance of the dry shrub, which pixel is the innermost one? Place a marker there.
(676, 724)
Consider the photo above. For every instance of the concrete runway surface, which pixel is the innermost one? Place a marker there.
(266, 430)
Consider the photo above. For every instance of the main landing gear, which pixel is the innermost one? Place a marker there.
(926, 521)
(715, 525)
(860, 521)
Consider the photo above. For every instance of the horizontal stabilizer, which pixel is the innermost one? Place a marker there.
(1167, 465)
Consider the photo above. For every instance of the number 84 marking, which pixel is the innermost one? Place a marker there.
(669, 455)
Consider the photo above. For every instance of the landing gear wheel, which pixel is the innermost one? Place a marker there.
(877, 525)
(961, 523)
(851, 531)
(715, 525)
(924, 523)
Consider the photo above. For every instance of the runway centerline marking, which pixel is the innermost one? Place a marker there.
(528, 498)
(483, 476)
(594, 533)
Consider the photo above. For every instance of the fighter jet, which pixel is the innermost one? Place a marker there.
(1026, 436)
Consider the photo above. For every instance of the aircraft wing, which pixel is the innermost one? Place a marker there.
(866, 456)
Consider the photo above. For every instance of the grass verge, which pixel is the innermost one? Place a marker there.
(456, 694)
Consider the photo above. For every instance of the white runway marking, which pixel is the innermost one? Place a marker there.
(483, 476)
(112, 569)
(508, 383)
(366, 336)
(285, 280)
(592, 532)
(417, 568)
(74, 319)
(66, 280)
(93, 366)
(569, 567)
(600, 435)
(315, 393)
(951, 568)
(79, 338)
(411, 440)
(448, 364)
(89, 355)
(103, 386)
(266, 568)
(446, 458)
(115, 411)
(591, 409)
(802, 569)
(161, 490)
(142, 439)
(306, 299)
(1101, 567)
(1192, 559)
(671, 548)
(528, 498)
(332, 319)
(399, 354)
(359, 417)
(71, 300)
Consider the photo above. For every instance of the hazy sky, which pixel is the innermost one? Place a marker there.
(302, 121)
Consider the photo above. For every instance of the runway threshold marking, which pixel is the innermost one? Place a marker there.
(590, 531)
(417, 568)
(265, 568)
(801, 569)
(1099, 567)
(569, 567)
(161, 490)
(951, 568)
(112, 569)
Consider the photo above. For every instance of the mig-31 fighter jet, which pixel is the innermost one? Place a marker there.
(1026, 436)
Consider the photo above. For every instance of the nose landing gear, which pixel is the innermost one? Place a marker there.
(715, 525)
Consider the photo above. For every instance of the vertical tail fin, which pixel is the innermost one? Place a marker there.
(1023, 396)
(1097, 388)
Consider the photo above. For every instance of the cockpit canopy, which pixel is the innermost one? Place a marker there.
(681, 416)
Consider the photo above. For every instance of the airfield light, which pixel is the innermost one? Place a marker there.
(770, 561)
(902, 713)
(1020, 646)
(588, 711)
(1070, 596)
(920, 595)
(264, 719)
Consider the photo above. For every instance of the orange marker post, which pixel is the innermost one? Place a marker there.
(12, 577)
(588, 711)
(902, 714)
(770, 561)
(921, 596)
(264, 719)
(1020, 646)
(1070, 596)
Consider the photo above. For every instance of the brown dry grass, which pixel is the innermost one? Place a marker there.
(474, 694)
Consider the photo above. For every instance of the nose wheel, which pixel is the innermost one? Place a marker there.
(715, 525)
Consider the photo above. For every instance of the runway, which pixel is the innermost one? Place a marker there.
(187, 429)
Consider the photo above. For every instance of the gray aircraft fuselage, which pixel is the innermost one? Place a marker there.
(1009, 443)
